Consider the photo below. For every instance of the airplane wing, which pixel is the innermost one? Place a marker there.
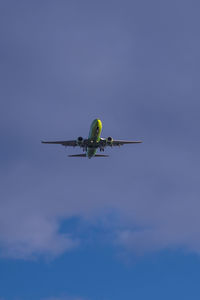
(72, 143)
(111, 142)
(121, 142)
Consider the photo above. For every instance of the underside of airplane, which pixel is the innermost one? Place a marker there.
(93, 142)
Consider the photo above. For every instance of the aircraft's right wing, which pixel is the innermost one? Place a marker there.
(72, 143)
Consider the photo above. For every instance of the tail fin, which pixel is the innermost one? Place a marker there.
(84, 155)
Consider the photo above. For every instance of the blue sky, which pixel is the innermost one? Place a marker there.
(102, 229)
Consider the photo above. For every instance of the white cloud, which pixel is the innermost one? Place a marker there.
(32, 236)
(28, 226)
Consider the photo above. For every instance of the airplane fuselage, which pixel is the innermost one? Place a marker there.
(94, 137)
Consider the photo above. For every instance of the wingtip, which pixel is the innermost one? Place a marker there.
(138, 142)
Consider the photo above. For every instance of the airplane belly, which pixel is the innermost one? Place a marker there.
(91, 152)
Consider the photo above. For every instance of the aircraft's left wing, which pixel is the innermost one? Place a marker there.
(64, 143)
(111, 142)
(122, 142)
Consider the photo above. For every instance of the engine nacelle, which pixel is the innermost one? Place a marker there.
(109, 141)
(80, 140)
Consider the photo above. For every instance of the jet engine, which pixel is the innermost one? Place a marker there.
(80, 140)
(109, 141)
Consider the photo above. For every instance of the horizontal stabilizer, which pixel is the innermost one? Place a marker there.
(77, 155)
(84, 155)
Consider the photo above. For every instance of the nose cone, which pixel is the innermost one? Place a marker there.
(99, 123)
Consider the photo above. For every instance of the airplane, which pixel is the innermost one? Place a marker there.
(93, 142)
